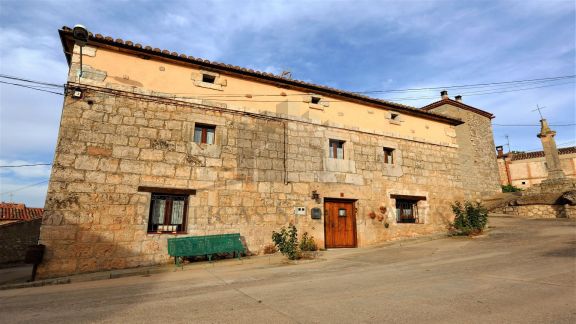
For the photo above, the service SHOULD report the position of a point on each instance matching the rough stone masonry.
(121, 140)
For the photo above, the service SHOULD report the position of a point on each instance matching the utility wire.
(22, 188)
(516, 83)
(30, 87)
(30, 81)
(518, 125)
(23, 165)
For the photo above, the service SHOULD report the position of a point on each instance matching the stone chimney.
(553, 166)
(444, 94)
(500, 151)
(458, 98)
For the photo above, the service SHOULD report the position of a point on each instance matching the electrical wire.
(25, 187)
(30, 81)
(24, 165)
(33, 88)
(519, 125)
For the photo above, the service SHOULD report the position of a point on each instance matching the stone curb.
(260, 259)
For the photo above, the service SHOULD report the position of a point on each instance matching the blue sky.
(352, 45)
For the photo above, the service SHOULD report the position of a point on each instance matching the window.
(395, 117)
(167, 213)
(336, 149)
(388, 155)
(315, 100)
(204, 134)
(207, 78)
(406, 211)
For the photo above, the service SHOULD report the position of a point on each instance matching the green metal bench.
(204, 245)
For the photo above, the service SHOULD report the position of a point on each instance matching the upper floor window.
(204, 134)
(168, 213)
(336, 149)
(207, 78)
(395, 116)
(315, 100)
(388, 155)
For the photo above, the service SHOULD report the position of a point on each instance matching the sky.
(352, 45)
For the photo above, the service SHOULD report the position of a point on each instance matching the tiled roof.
(19, 212)
(458, 104)
(66, 36)
(537, 154)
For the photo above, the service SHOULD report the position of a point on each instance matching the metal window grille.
(407, 211)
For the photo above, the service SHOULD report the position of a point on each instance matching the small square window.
(406, 211)
(388, 155)
(207, 78)
(315, 100)
(204, 134)
(336, 149)
(168, 213)
(395, 117)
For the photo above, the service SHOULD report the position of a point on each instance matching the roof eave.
(66, 39)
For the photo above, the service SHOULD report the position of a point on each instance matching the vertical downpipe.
(285, 153)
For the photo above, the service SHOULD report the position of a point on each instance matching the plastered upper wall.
(114, 67)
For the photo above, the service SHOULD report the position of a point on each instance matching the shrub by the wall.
(470, 218)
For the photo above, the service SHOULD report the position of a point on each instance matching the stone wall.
(15, 238)
(539, 211)
(249, 181)
(478, 167)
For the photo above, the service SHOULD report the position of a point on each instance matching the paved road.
(524, 271)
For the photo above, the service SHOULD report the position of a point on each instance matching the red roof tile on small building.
(538, 154)
(19, 212)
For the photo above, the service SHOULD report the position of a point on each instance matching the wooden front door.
(339, 224)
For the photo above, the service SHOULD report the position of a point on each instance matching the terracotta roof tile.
(19, 212)
(457, 104)
(537, 154)
(276, 78)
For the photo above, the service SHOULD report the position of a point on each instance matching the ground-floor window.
(406, 211)
(168, 213)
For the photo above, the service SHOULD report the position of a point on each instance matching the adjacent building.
(525, 169)
(19, 228)
(155, 144)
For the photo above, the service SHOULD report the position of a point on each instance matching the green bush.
(287, 241)
(470, 218)
(307, 243)
(510, 188)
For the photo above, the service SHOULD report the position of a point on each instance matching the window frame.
(204, 133)
(169, 198)
(389, 156)
(414, 217)
(333, 149)
(209, 78)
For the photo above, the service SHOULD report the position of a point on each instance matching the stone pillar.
(553, 166)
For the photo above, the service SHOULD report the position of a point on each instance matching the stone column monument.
(553, 166)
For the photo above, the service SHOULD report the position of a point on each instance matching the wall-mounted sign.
(299, 210)
(316, 213)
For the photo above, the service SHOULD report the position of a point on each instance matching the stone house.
(526, 169)
(19, 228)
(154, 144)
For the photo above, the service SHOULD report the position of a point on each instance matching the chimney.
(458, 98)
(500, 151)
(444, 94)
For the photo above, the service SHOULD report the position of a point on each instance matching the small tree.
(287, 241)
(470, 218)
